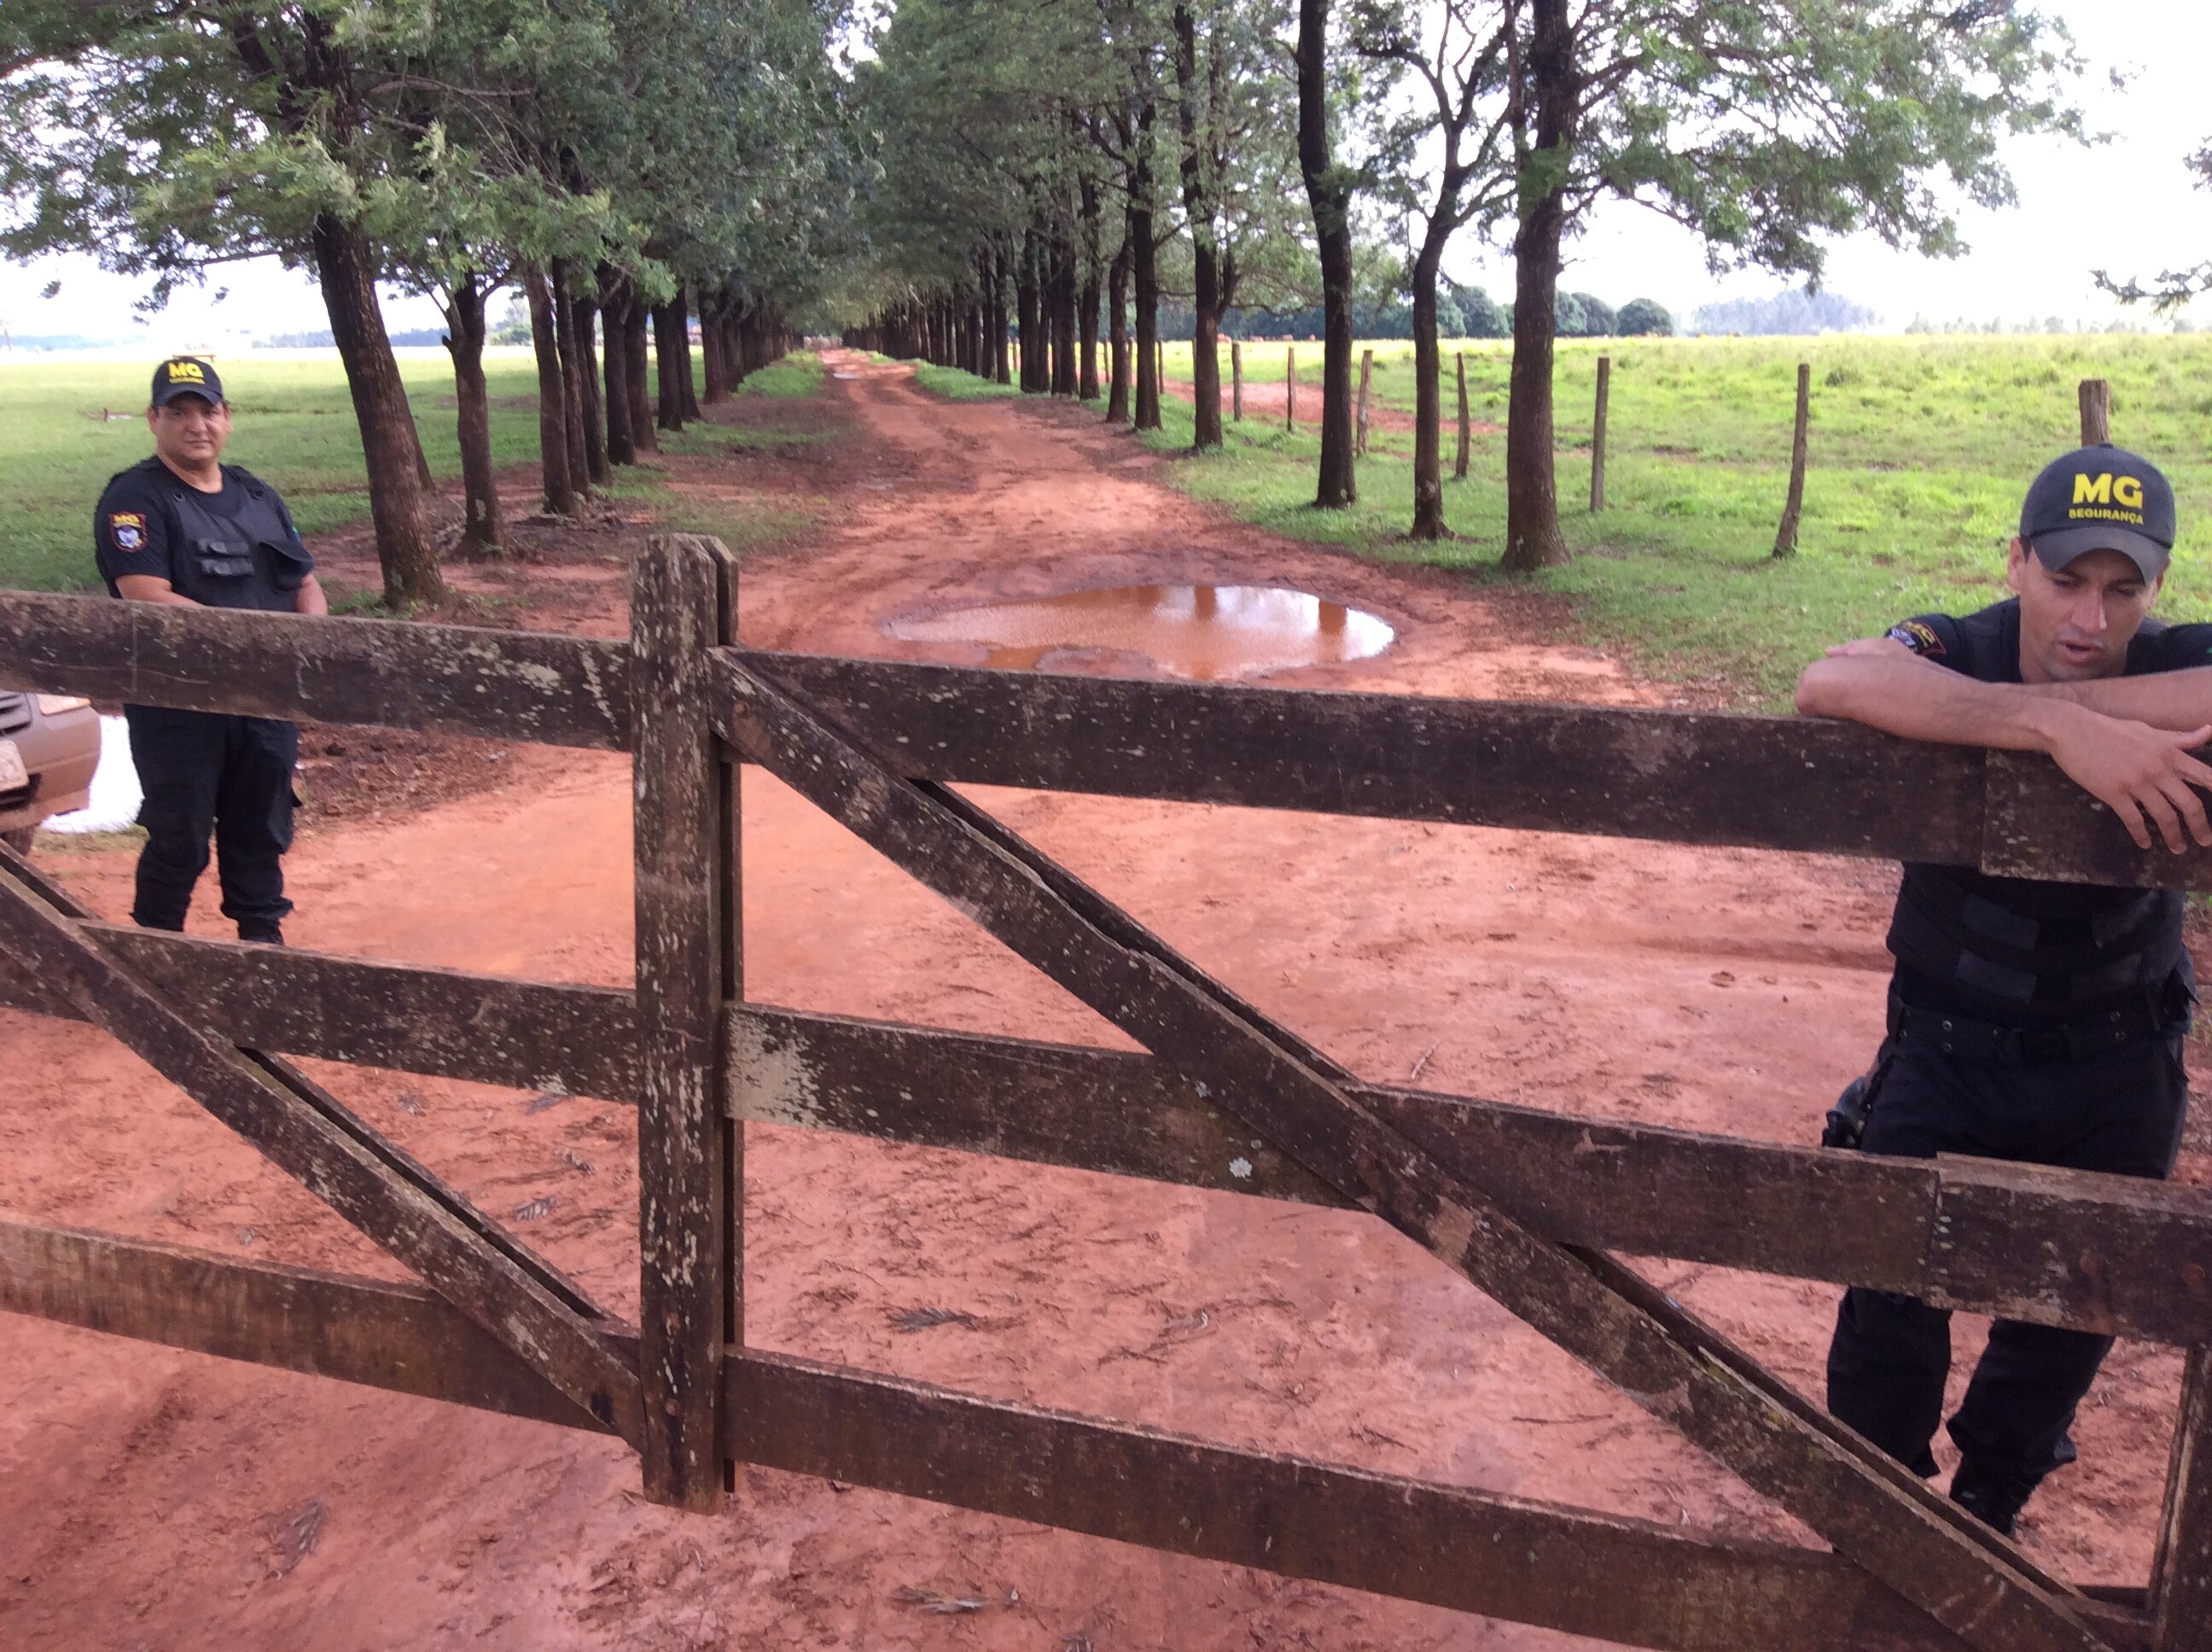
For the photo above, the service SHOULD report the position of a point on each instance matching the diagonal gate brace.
(528, 1305)
(1870, 1509)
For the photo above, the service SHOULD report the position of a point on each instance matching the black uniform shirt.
(1985, 645)
(151, 521)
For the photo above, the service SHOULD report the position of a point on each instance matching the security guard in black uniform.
(2029, 1021)
(183, 527)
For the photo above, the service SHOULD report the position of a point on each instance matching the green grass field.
(1920, 451)
(77, 422)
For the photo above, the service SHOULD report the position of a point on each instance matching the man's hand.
(2144, 775)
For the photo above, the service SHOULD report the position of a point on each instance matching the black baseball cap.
(2101, 498)
(187, 375)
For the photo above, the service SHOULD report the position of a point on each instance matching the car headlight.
(53, 705)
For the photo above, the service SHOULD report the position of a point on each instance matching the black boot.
(1994, 1499)
(267, 931)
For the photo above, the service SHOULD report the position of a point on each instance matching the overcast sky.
(2129, 205)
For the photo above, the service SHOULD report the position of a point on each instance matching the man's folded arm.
(2141, 771)
(1885, 685)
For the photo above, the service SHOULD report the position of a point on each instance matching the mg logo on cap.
(2125, 491)
(190, 372)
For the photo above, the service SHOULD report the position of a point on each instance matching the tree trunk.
(615, 299)
(994, 309)
(1086, 314)
(1533, 538)
(669, 348)
(1117, 327)
(1428, 392)
(1064, 378)
(1146, 258)
(347, 268)
(481, 527)
(571, 383)
(684, 387)
(1026, 307)
(713, 363)
(552, 398)
(638, 374)
(1330, 197)
(595, 418)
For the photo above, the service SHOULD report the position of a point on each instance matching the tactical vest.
(2035, 949)
(249, 559)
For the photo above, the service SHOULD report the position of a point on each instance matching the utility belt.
(2157, 1012)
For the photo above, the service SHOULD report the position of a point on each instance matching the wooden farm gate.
(1528, 1206)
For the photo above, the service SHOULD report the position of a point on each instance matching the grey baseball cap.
(2101, 498)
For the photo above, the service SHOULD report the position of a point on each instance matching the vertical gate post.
(683, 603)
(2181, 1581)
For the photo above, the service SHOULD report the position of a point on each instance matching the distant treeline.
(323, 341)
(1788, 311)
(1461, 313)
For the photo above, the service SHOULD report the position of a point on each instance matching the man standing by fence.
(184, 528)
(2030, 1021)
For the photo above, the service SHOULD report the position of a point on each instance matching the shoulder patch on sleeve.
(127, 529)
(1918, 635)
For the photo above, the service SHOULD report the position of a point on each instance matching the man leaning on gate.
(184, 528)
(2031, 1021)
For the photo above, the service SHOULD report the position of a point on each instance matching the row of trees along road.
(631, 162)
(1250, 152)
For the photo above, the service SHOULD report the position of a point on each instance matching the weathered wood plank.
(310, 1135)
(1685, 777)
(685, 958)
(2181, 1579)
(1619, 1579)
(1793, 783)
(493, 1029)
(2011, 1236)
(1976, 1585)
(1454, 1547)
(405, 1337)
(1845, 1217)
(450, 679)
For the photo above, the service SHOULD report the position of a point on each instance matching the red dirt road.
(155, 1497)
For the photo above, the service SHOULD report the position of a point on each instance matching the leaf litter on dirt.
(930, 1601)
(294, 1536)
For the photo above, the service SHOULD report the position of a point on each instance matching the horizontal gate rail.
(1618, 1578)
(448, 679)
(2116, 1254)
(1792, 783)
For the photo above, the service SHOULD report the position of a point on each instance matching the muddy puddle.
(1207, 632)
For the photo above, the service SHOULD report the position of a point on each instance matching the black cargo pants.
(2122, 1112)
(205, 772)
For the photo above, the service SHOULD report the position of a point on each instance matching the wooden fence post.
(1597, 435)
(1785, 538)
(2096, 397)
(2181, 1577)
(1237, 380)
(1160, 364)
(682, 602)
(1291, 387)
(1366, 371)
(1465, 424)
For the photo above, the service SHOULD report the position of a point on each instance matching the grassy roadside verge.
(1921, 449)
